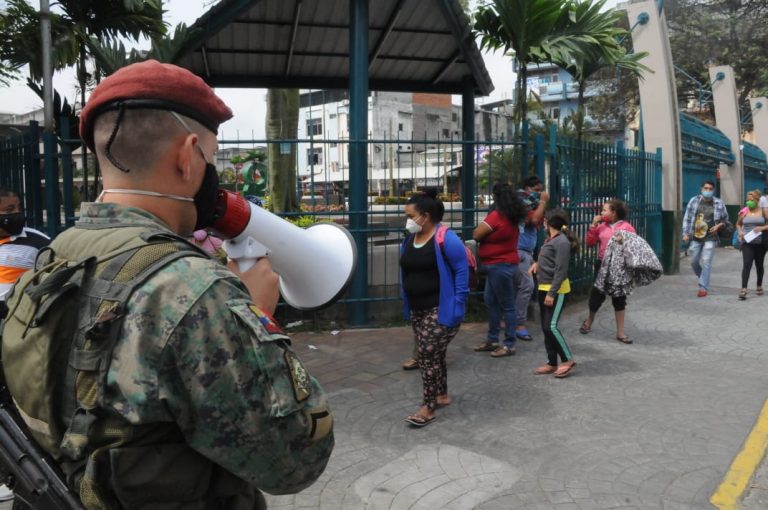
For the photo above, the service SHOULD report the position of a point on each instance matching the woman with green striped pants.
(552, 272)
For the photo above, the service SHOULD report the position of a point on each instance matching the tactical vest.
(63, 324)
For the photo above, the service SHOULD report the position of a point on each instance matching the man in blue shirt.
(536, 200)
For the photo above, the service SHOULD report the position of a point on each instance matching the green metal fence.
(581, 176)
(585, 175)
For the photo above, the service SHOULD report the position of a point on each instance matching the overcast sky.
(247, 104)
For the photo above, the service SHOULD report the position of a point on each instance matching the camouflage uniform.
(194, 351)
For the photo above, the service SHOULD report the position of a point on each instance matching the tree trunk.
(521, 101)
(580, 112)
(282, 124)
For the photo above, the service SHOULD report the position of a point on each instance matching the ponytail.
(558, 218)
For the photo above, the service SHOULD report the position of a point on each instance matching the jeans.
(701, 254)
(500, 295)
(524, 286)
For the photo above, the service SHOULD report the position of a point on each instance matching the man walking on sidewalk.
(704, 216)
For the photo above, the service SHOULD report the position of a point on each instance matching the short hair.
(531, 181)
(619, 207)
(7, 192)
(426, 202)
(142, 137)
(710, 182)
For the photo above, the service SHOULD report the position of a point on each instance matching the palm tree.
(534, 31)
(282, 123)
(604, 25)
(71, 30)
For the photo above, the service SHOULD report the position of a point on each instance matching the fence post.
(655, 191)
(524, 152)
(32, 177)
(468, 161)
(554, 184)
(66, 171)
(540, 155)
(621, 190)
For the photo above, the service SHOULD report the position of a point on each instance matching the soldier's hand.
(262, 283)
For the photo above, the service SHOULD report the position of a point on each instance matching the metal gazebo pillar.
(468, 160)
(358, 154)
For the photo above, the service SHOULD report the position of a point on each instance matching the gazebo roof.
(415, 45)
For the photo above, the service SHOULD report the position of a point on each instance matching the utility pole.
(45, 29)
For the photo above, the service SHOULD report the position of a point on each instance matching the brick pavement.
(653, 425)
(649, 425)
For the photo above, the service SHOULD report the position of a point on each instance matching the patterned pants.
(432, 340)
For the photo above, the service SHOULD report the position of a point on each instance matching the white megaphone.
(315, 264)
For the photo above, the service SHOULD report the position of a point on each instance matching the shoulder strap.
(440, 236)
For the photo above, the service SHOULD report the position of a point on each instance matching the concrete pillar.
(661, 121)
(759, 108)
(728, 120)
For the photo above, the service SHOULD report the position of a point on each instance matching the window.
(314, 157)
(555, 78)
(454, 117)
(314, 127)
(332, 116)
(400, 126)
(446, 133)
(554, 113)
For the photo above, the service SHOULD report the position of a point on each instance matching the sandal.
(584, 329)
(759, 291)
(410, 364)
(523, 334)
(545, 369)
(624, 339)
(564, 370)
(418, 420)
(487, 346)
(742, 294)
(503, 351)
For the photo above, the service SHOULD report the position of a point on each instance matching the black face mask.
(13, 223)
(206, 197)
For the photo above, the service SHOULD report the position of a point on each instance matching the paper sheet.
(751, 236)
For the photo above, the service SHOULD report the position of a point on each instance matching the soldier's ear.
(185, 156)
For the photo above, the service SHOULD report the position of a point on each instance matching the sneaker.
(6, 494)
(702, 293)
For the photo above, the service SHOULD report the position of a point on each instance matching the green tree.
(609, 54)
(535, 31)
(721, 32)
(282, 124)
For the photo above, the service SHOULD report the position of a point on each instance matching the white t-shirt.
(763, 201)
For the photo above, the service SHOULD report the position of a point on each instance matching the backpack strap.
(90, 428)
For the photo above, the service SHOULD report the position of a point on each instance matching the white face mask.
(412, 227)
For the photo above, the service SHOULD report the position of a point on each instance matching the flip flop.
(624, 339)
(487, 346)
(584, 329)
(564, 370)
(410, 364)
(523, 334)
(502, 351)
(418, 420)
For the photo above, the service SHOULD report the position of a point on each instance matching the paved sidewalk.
(651, 425)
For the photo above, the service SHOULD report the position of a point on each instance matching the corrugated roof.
(414, 45)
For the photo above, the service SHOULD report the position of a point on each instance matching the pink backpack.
(473, 280)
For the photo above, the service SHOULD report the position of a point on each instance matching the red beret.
(155, 86)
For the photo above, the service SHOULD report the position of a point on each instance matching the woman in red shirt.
(497, 235)
(601, 231)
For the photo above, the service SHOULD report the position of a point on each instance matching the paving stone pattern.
(653, 425)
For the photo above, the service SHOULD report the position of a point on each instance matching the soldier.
(199, 402)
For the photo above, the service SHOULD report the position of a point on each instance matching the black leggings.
(553, 338)
(597, 298)
(752, 253)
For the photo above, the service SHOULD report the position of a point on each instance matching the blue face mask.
(707, 194)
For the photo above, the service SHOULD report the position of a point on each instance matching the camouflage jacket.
(195, 351)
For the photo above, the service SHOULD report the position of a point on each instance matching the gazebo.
(394, 45)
